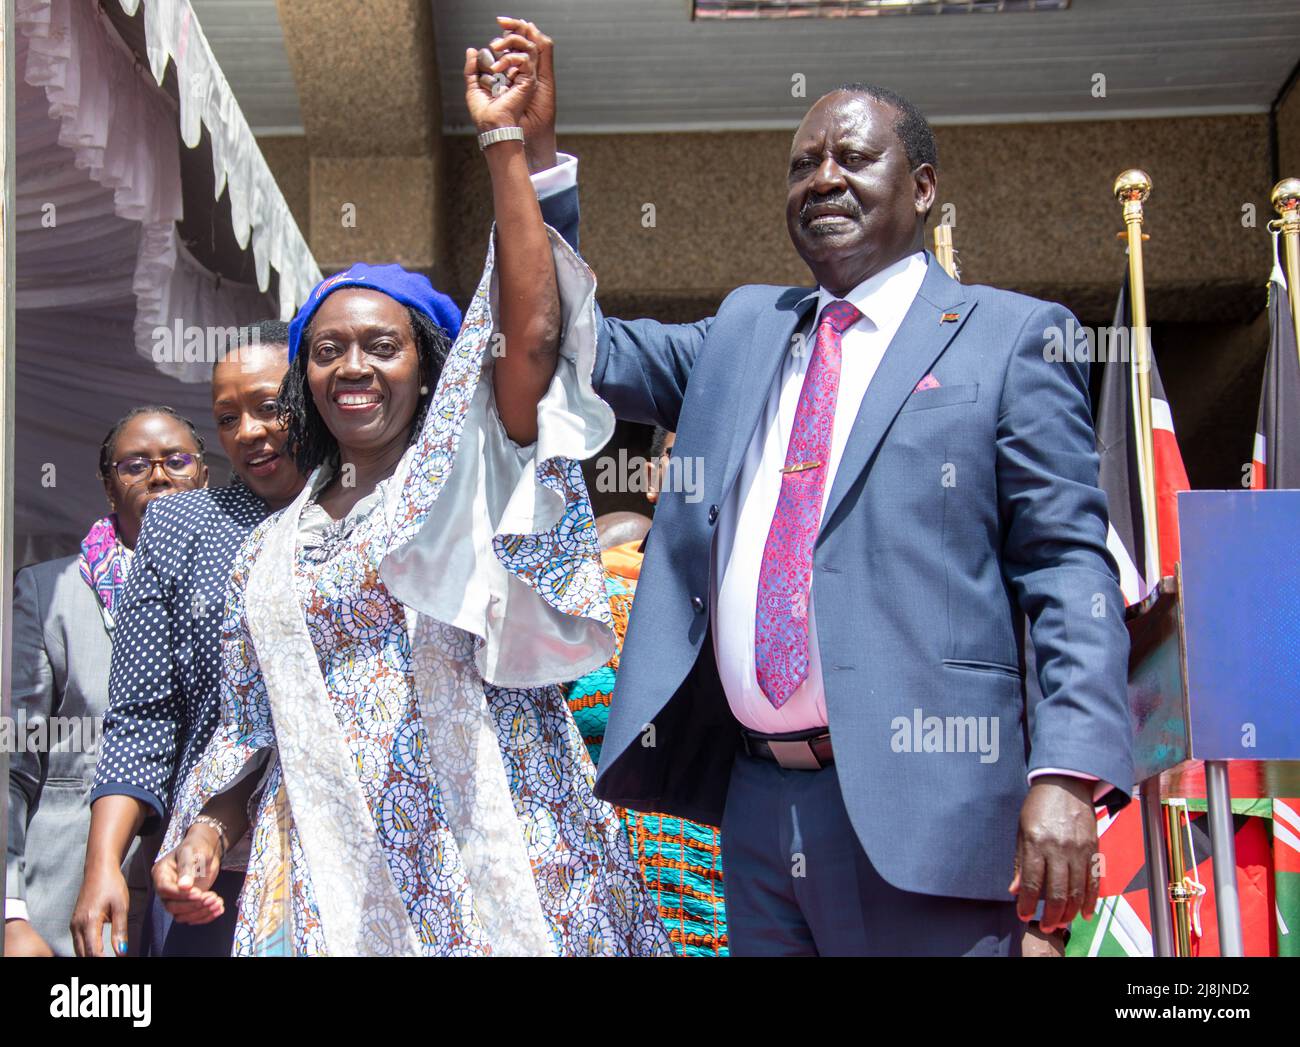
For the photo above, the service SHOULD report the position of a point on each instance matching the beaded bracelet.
(223, 836)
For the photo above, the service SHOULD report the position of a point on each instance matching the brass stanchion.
(1286, 202)
(1179, 896)
(944, 251)
(1131, 189)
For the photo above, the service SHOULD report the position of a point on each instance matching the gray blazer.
(61, 654)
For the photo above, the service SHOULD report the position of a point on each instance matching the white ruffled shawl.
(475, 572)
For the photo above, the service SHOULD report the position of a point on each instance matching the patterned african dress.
(391, 679)
(681, 860)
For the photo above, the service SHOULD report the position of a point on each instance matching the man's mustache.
(843, 202)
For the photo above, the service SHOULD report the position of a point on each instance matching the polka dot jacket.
(164, 687)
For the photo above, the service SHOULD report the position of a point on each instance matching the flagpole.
(944, 250)
(1132, 187)
(1286, 202)
(1162, 930)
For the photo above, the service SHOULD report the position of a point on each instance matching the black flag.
(1276, 460)
(1120, 471)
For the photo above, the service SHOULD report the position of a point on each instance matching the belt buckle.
(795, 756)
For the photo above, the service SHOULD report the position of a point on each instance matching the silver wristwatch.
(500, 134)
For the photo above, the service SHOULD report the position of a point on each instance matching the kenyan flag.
(1122, 924)
(1267, 833)
(1286, 872)
(1121, 470)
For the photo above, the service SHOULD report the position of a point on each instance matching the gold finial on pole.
(1131, 189)
(1286, 202)
(944, 250)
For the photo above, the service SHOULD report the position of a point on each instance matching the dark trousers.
(799, 883)
(166, 937)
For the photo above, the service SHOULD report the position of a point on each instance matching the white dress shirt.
(745, 517)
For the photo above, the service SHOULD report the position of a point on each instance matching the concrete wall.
(1032, 204)
(289, 158)
(365, 177)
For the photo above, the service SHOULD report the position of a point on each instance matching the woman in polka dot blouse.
(163, 688)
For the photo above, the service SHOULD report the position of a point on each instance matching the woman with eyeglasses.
(64, 618)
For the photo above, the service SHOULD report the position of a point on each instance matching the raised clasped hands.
(518, 59)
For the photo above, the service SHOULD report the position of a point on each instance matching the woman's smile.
(263, 463)
(358, 401)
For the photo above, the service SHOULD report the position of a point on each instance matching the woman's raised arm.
(529, 300)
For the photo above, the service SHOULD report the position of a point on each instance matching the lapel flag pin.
(949, 318)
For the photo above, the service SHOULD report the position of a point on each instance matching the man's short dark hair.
(912, 128)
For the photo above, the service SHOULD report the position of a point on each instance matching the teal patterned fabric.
(681, 860)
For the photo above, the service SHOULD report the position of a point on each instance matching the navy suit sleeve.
(145, 706)
(1055, 560)
(560, 212)
(642, 366)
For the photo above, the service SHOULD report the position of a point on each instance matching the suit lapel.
(918, 343)
(768, 346)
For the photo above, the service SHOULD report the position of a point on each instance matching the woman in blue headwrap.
(395, 766)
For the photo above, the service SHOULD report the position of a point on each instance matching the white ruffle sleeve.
(503, 545)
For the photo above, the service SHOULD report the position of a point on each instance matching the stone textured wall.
(289, 158)
(1288, 134)
(1033, 212)
(370, 159)
(365, 74)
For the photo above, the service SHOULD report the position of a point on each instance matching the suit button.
(713, 514)
(698, 604)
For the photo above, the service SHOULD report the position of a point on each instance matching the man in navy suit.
(825, 655)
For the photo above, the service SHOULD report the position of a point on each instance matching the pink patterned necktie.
(785, 578)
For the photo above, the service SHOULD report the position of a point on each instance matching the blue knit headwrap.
(412, 289)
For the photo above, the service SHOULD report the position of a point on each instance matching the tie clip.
(800, 467)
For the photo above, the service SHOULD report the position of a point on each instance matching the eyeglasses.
(179, 466)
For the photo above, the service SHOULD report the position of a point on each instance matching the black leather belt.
(797, 751)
